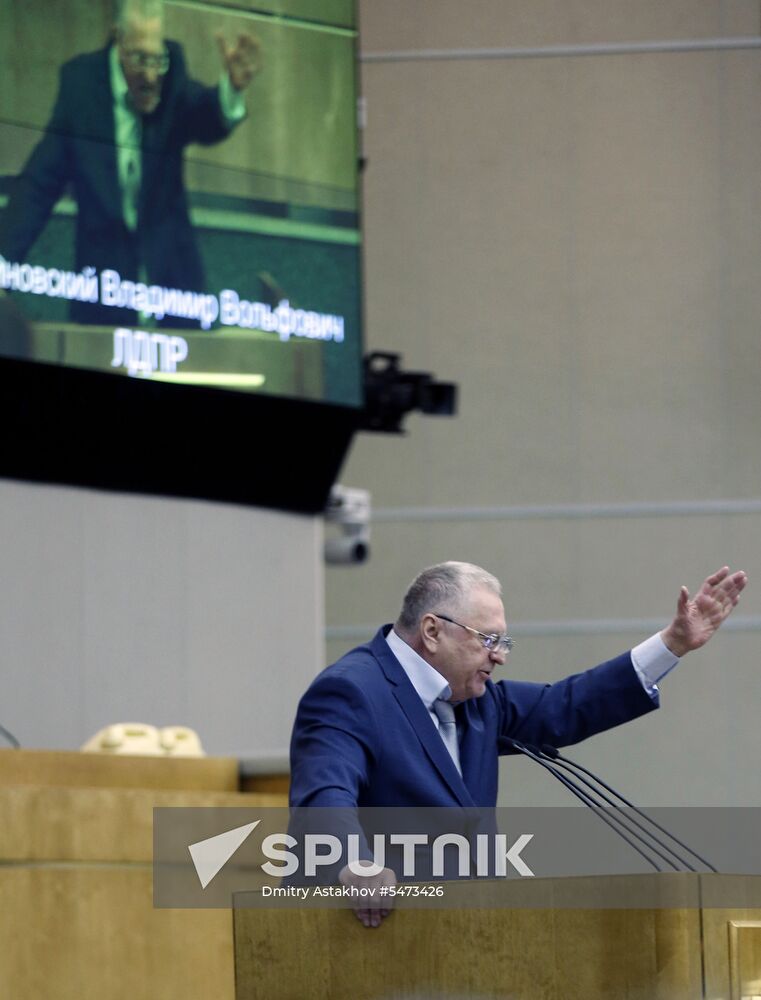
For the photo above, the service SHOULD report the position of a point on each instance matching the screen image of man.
(414, 719)
(116, 138)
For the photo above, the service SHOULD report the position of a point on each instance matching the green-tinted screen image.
(178, 191)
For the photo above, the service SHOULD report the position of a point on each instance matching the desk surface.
(71, 768)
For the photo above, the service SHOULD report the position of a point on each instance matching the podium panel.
(555, 952)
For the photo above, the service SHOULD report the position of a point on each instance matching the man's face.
(459, 655)
(141, 50)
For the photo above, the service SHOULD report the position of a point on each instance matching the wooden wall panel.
(507, 954)
(79, 933)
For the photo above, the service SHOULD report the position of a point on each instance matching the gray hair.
(445, 588)
(145, 10)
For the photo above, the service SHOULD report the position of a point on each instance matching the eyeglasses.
(495, 641)
(138, 61)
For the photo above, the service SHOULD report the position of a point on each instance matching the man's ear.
(430, 629)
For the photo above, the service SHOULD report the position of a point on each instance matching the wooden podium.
(76, 893)
(560, 941)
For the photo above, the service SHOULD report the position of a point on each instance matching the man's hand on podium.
(370, 909)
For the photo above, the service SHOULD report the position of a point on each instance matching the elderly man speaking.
(414, 718)
(122, 119)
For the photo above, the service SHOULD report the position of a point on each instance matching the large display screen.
(179, 213)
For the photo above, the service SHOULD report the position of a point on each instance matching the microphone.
(10, 738)
(644, 832)
(554, 754)
(593, 805)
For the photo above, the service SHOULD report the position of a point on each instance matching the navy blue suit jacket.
(364, 738)
(77, 152)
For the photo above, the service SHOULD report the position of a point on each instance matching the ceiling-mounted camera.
(347, 518)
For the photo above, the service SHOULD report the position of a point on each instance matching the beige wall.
(118, 608)
(576, 242)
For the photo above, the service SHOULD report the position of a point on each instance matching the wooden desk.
(76, 890)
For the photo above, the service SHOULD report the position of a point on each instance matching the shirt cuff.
(231, 101)
(652, 660)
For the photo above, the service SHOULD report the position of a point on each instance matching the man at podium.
(122, 119)
(413, 718)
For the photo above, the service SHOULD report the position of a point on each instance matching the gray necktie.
(448, 728)
(132, 168)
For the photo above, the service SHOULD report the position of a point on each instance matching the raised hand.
(242, 59)
(699, 617)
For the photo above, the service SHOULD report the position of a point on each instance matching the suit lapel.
(100, 102)
(420, 720)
